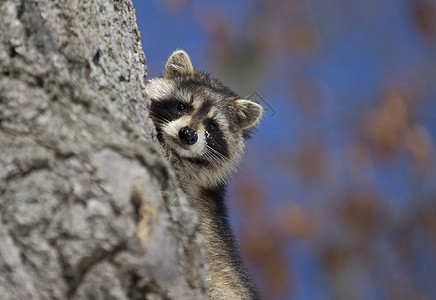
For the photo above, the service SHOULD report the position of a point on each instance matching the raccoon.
(201, 126)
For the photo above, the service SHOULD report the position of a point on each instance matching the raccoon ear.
(178, 64)
(248, 113)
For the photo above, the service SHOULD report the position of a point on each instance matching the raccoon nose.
(188, 135)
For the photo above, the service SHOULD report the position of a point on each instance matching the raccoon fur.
(201, 125)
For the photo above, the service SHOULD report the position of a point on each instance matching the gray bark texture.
(89, 209)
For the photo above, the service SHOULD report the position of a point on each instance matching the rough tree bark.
(88, 207)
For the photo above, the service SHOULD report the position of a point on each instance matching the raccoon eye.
(180, 106)
(212, 126)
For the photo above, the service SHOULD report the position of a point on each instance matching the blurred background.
(337, 196)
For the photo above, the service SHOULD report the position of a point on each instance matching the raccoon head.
(201, 124)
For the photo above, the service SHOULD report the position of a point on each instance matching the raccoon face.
(201, 124)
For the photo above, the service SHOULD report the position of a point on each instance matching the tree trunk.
(88, 207)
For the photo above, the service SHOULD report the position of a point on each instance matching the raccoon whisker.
(159, 117)
(160, 124)
(213, 159)
(215, 152)
(214, 155)
(217, 158)
(210, 152)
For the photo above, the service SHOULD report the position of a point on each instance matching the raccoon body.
(201, 126)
